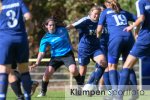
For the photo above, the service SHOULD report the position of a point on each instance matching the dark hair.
(58, 23)
(46, 21)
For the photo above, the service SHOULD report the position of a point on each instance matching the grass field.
(60, 95)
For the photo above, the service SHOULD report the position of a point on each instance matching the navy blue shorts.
(118, 46)
(84, 56)
(141, 47)
(13, 48)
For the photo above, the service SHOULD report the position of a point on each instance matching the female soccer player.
(142, 45)
(61, 53)
(89, 45)
(14, 44)
(103, 45)
(120, 42)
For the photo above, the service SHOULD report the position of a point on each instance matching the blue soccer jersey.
(13, 41)
(116, 22)
(89, 44)
(142, 46)
(87, 33)
(58, 41)
(11, 17)
(120, 42)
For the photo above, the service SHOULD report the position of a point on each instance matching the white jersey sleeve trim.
(80, 21)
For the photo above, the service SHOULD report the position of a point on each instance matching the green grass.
(60, 95)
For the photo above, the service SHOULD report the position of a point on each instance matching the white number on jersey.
(120, 20)
(12, 20)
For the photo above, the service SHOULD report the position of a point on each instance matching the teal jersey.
(58, 41)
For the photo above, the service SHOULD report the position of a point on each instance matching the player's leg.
(139, 49)
(22, 57)
(106, 79)
(113, 57)
(125, 73)
(69, 61)
(4, 71)
(5, 65)
(54, 64)
(25, 75)
(101, 64)
(15, 83)
(47, 74)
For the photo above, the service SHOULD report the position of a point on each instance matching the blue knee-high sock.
(91, 79)
(3, 85)
(106, 80)
(133, 80)
(98, 74)
(124, 79)
(26, 82)
(113, 77)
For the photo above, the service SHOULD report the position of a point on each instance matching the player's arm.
(78, 24)
(137, 23)
(27, 16)
(136, 31)
(69, 26)
(42, 49)
(140, 13)
(99, 30)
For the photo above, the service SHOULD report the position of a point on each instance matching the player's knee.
(5, 68)
(112, 66)
(73, 69)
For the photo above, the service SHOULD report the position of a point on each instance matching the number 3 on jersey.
(120, 20)
(12, 20)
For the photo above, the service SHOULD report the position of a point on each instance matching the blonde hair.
(96, 7)
(115, 5)
(0, 6)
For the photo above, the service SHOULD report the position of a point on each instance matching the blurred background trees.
(67, 11)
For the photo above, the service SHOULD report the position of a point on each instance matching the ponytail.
(114, 5)
(0, 6)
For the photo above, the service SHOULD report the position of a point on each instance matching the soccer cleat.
(41, 94)
(34, 86)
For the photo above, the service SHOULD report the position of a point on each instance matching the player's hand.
(129, 28)
(33, 66)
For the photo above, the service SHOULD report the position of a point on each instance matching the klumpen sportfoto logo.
(104, 92)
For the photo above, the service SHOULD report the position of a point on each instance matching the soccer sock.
(3, 85)
(113, 77)
(124, 78)
(16, 87)
(98, 74)
(133, 80)
(82, 79)
(26, 82)
(78, 79)
(91, 78)
(106, 80)
(44, 86)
